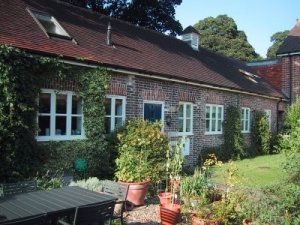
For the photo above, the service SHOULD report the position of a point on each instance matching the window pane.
(213, 125)
(76, 125)
(207, 125)
(246, 126)
(107, 106)
(61, 104)
(118, 107)
(118, 122)
(188, 111)
(219, 125)
(44, 126)
(60, 125)
(180, 125)
(107, 125)
(207, 112)
(214, 112)
(219, 112)
(44, 102)
(76, 105)
(180, 111)
(188, 125)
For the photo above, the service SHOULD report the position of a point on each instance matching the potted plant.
(170, 211)
(141, 157)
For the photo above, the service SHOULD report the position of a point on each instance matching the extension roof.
(133, 48)
(292, 43)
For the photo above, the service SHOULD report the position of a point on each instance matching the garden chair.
(10, 189)
(92, 214)
(120, 191)
(34, 220)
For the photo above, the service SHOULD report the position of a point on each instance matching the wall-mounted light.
(168, 120)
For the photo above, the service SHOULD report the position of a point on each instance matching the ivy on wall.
(21, 78)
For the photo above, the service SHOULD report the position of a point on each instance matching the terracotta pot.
(164, 197)
(169, 214)
(199, 221)
(137, 192)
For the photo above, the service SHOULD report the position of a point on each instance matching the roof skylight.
(50, 25)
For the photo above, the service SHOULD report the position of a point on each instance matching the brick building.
(154, 76)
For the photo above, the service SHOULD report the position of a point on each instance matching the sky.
(259, 19)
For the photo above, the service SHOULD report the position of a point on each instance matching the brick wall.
(140, 89)
(272, 73)
(291, 66)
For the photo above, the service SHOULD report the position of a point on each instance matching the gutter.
(288, 54)
(92, 65)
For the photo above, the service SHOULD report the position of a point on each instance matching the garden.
(232, 184)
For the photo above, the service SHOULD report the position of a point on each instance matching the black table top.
(55, 202)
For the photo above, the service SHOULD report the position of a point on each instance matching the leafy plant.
(141, 152)
(48, 181)
(261, 135)
(292, 116)
(233, 140)
(92, 183)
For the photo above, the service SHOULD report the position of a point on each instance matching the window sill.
(60, 138)
(245, 132)
(212, 133)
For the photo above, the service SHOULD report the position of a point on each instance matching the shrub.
(292, 116)
(48, 181)
(233, 140)
(92, 183)
(141, 152)
(260, 133)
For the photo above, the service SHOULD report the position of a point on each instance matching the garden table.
(53, 203)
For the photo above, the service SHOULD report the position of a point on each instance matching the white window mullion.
(112, 115)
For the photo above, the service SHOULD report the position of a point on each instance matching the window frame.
(268, 113)
(245, 120)
(184, 118)
(37, 17)
(112, 116)
(210, 119)
(53, 114)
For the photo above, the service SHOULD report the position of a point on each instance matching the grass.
(256, 172)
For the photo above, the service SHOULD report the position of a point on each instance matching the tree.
(277, 39)
(157, 15)
(221, 35)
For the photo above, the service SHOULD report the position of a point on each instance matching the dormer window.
(50, 25)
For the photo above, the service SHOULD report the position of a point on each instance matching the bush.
(233, 140)
(292, 116)
(92, 183)
(260, 135)
(142, 152)
(48, 181)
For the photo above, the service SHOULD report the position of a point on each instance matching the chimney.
(108, 36)
(191, 36)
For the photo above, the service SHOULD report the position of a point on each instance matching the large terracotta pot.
(137, 192)
(164, 197)
(169, 214)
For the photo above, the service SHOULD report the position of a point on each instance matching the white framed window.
(245, 120)
(154, 111)
(185, 118)
(60, 116)
(268, 113)
(114, 112)
(214, 116)
(49, 24)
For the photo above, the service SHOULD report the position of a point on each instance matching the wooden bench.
(120, 191)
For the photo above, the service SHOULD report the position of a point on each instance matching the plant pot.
(200, 221)
(169, 214)
(137, 192)
(164, 197)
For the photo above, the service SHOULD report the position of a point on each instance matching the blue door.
(152, 112)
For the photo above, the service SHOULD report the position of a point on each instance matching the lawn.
(256, 172)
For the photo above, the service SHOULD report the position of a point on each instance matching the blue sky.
(260, 19)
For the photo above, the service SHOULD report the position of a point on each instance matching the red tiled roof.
(133, 48)
(292, 43)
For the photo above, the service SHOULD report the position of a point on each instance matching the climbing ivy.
(21, 78)
(233, 139)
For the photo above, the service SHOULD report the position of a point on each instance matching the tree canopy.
(221, 35)
(157, 15)
(277, 39)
